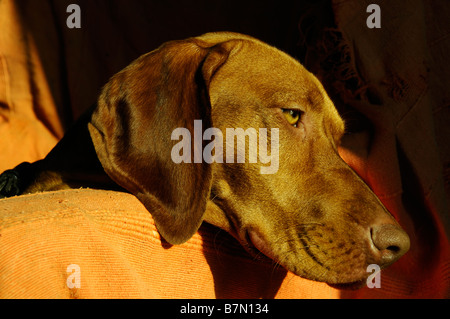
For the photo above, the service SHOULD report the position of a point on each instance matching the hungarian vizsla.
(312, 213)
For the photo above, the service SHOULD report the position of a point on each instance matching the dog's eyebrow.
(294, 101)
(314, 98)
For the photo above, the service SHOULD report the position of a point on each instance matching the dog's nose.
(390, 243)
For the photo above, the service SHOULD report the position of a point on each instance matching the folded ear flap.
(132, 126)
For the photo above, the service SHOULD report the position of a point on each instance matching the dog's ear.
(131, 129)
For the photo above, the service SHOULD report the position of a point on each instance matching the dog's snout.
(390, 242)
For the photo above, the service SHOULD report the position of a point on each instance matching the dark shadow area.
(236, 272)
(78, 62)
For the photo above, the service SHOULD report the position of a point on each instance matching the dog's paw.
(9, 183)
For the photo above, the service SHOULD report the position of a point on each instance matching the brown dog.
(314, 215)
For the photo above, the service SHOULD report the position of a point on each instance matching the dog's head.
(292, 198)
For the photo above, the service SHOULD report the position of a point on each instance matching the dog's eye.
(292, 116)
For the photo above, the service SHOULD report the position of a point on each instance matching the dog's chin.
(257, 248)
(256, 244)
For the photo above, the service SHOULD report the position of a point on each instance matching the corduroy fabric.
(120, 254)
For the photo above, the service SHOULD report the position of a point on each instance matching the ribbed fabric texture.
(114, 242)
